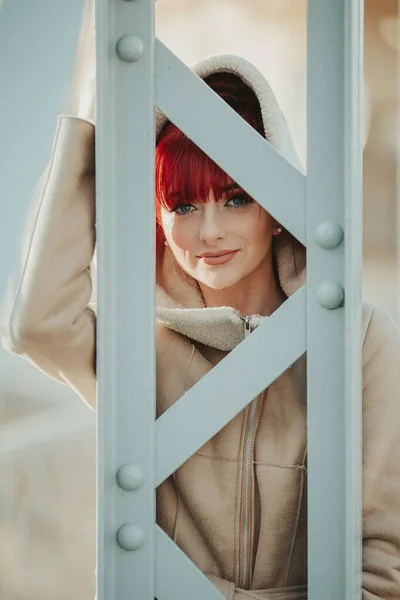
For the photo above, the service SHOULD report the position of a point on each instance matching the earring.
(165, 243)
(278, 229)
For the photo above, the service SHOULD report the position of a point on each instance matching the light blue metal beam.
(233, 144)
(178, 576)
(334, 72)
(251, 367)
(126, 281)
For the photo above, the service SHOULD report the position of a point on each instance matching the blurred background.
(47, 435)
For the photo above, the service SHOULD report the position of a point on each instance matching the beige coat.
(48, 321)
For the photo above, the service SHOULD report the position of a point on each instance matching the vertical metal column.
(334, 269)
(126, 363)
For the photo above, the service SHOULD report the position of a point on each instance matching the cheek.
(255, 228)
(265, 228)
(179, 232)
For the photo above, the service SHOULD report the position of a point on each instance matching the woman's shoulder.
(381, 343)
(171, 346)
(378, 326)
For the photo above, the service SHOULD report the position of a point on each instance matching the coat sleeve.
(381, 459)
(46, 316)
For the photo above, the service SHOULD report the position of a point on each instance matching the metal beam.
(251, 367)
(178, 576)
(125, 141)
(233, 144)
(334, 72)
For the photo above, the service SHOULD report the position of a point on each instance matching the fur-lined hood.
(180, 304)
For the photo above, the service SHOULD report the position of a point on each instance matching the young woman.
(238, 506)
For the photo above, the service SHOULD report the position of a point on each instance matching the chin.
(219, 282)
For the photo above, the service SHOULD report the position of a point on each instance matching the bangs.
(184, 173)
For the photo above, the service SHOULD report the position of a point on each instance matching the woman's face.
(221, 241)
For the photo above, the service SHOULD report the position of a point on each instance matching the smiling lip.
(219, 258)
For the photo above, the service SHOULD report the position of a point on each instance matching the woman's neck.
(258, 293)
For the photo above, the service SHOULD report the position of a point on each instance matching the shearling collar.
(180, 306)
(179, 302)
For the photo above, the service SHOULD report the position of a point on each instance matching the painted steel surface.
(334, 70)
(125, 234)
(135, 74)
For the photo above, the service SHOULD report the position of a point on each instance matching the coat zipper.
(248, 459)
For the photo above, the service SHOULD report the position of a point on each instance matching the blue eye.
(238, 200)
(184, 209)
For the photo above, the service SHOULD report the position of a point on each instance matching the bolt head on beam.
(130, 48)
(329, 235)
(130, 537)
(129, 477)
(330, 295)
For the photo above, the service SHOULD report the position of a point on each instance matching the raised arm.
(46, 317)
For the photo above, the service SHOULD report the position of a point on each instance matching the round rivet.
(330, 295)
(329, 235)
(130, 48)
(130, 537)
(129, 477)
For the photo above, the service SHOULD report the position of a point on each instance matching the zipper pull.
(247, 329)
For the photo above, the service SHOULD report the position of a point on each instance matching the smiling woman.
(218, 235)
(238, 506)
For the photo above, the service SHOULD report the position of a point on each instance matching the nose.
(211, 226)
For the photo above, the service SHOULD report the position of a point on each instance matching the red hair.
(184, 173)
